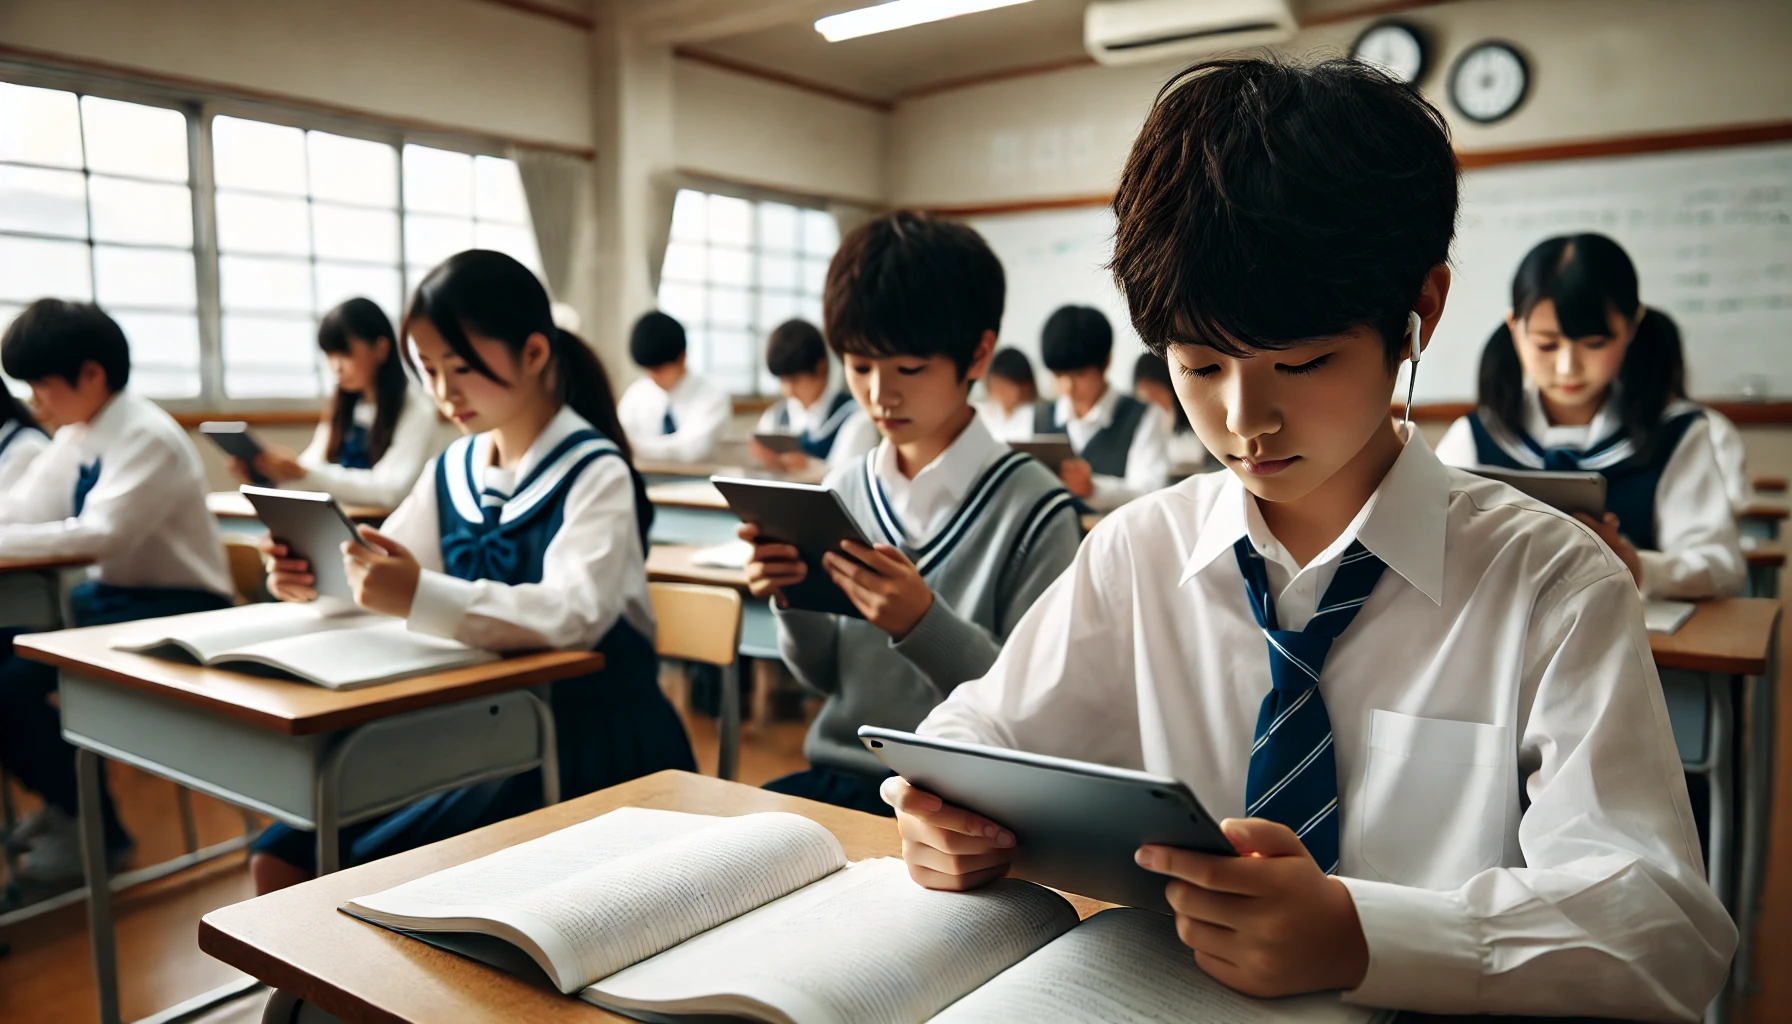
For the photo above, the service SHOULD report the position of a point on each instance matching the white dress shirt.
(19, 447)
(145, 523)
(1732, 458)
(856, 435)
(1504, 646)
(1007, 426)
(595, 571)
(1700, 552)
(386, 483)
(699, 412)
(1147, 459)
(924, 504)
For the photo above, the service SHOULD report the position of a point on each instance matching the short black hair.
(55, 338)
(1076, 338)
(796, 347)
(1153, 368)
(656, 340)
(1267, 203)
(912, 284)
(1012, 364)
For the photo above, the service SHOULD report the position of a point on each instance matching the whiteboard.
(1710, 231)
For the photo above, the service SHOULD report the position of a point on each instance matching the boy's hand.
(289, 579)
(888, 590)
(946, 847)
(239, 469)
(1268, 922)
(382, 575)
(773, 567)
(279, 465)
(763, 455)
(1078, 478)
(795, 462)
(1607, 529)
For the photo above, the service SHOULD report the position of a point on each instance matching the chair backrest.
(696, 623)
(247, 573)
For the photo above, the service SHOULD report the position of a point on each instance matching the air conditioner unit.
(1136, 31)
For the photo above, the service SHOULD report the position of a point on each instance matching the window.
(96, 205)
(735, 269)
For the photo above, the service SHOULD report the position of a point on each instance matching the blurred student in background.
(1012, 390)
(1151, 385)
(670, 414)
(832, 427)
(1120, 442)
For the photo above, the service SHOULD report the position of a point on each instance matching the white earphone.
(1413, 328)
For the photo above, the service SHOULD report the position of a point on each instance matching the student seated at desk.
(122, 484)
(528, 533)
(1578, 378)
(1008, 411)
(375, 434)
(1423, 703)
(671, 414)
(1151, 385)
(1726, 440)
(21, 439)
(967, 531)
(833, 428)
(1120, 441)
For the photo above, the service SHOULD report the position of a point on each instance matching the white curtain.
(850, 215)
(555, 185)
(662, 194)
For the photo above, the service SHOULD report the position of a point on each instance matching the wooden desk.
(1770, 484)
(689, 494)
(1731, 636)
(1765, 560)
(1762, 518)
(32, 591)
(673, 563)
(690, 512)
(232, 505)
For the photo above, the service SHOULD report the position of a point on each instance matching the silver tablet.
(1051, 449)
(313, 527)
(783, 444)
(1568, 492)
(1076, 825)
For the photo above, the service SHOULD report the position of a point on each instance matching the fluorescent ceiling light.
(900, 14)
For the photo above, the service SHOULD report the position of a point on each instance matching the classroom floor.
(46, 979)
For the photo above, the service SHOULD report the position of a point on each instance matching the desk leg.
(99, 888)
(728, 756)
(549, 740)
(326, 814)
(1761, 723)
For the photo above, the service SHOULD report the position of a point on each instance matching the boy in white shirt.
(1474, 803)
(671, 414)
(1121, 443)
(121, 484)
(833, 428)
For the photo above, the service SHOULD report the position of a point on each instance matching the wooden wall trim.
(1631, 145)
(191, 418)
(549, 11)
(1369, 10)
(966, 82)
(741, 67)
(1743, 413)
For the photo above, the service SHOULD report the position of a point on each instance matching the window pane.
(778, 227)
(688, 219)
(815, 276)
(352, 233)
(267, 224)
(338, 282)
(777, 307)
(500, 191)
(130, 138)
(139, 212)
(353, 170)
(811, 309)
(268, 357)
(258, 156)
(158, 278)
(682, 302)
(31, 269)
(728, 307)
(39, 126)
(438, 181)
(730, 221)
(512, 240)
(821, 234)
(260, 283)
(44, 202)
(164, 352)
(684, 262)
(731, 267)
(778, 272)
(430, 240)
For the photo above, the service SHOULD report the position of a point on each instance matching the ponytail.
(13, 409)
(582, 383)
(1500, 386)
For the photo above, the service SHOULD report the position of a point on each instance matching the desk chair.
(247, 574)
(702, 624)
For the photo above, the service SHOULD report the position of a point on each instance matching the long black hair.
(363, 319)
(1588, 277)
(13, 409)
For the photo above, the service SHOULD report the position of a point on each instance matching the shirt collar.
(1099, 416)
(564, 424)
(818, 410)
(110, 422)
(950, 475)
(1606, 422)
(1403, 522)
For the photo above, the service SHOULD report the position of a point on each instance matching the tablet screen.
(808, 516)
(312, 527)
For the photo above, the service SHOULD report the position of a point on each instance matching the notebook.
(1666, 617)
(661, 915)
(341, 651)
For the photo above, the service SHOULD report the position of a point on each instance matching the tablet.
(807, 515)
(1568, 492)
(783, 444)
(233, 436)
(313, 527)
(1076, 825)
(1051, 449)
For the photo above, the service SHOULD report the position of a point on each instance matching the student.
(671, 414)
(375, 434)
(1726, 440)
(1151, 385)
(1576, 378)
(833, 428)
(527, 533)
(967, 532)
(1474, 803)
(1008, 411)
(1121, 442)
(121, 484)
(21, 439)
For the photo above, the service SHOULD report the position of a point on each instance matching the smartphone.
(234, 438)
(807, 516)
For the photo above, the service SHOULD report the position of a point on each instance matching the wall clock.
(1394, 46)
(1489, 81)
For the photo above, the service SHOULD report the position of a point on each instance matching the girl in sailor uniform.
(530, 532)
(1580, 377)
(21, 439)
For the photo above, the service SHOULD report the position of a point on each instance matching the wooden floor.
(47, 978)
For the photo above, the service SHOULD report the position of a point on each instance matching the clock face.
(1394, 47)
(1489, 82)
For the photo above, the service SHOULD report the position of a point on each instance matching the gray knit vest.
(1106, 452)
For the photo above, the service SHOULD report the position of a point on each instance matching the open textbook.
(667, 916)
(338, 650)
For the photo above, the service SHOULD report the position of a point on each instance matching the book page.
(864, 946)
(1126, 966)
(619, 888)
(380, 652)
(213, 633)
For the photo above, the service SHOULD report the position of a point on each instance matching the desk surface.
(1733, 635)
(1765, 510)
(232, 505)
(285, 706)
(671, 563)
(690, 494)
(296, 940)
(44, 563)
(1764, 552)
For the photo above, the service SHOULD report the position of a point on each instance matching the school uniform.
(1014, 425)
(1121, 438)
(676, 426)
(1671, 502)
(19, 446)
(354, 477)
(989, 529)
(1506, 803)
(550, 555)
(1732, 458)
(834, 429)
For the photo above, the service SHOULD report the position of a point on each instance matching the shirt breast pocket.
(1434, 799)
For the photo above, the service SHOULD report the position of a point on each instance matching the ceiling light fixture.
(900, 14)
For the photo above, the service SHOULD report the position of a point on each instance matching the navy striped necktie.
(668, 425)
(1293, 778)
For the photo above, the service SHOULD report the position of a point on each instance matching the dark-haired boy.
(967, 532)
(670, 414)
(1121, 443)
(1424, 701)
(120, 483)
(832, 427)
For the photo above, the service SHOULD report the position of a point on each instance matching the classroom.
(574, 510)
